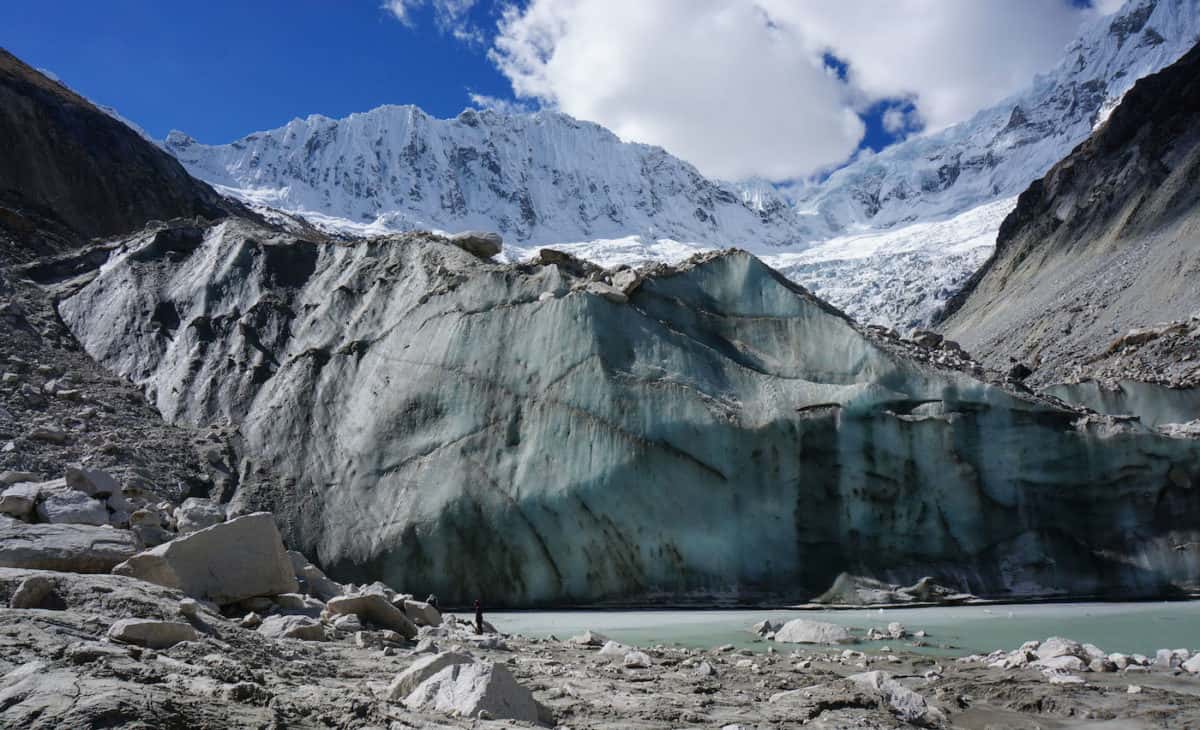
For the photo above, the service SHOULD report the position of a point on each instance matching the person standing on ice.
(478, 617)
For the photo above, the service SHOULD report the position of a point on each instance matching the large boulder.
(292, 627)
(314, 579)
(196, 514)
(92, 482)
(373, 608)
(1057, 646)
(480, 689)
(422, 614)
(906, 704)
(224, 563)
(480, 243)
(803, 631)
(421, 670)
(151, 634)
(19, 500)
(65, 548)
(72, 508)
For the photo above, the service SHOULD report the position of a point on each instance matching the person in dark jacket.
(478, 617)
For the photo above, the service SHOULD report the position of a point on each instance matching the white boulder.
(71, 508)
(804, 631)
(224, 563)
(65, 548)
(637, 660)
(373, 608)
(151, 634)
(292, 627)
(479, 690)
(1057, 646)
(422, 669)
(422, 614)
(196, 514)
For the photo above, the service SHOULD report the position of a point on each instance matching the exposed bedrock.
(526, 435)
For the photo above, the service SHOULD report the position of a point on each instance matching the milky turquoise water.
(1124, 627)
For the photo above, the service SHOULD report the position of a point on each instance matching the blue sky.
(219, 70)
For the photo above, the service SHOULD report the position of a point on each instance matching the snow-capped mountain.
(537, 178)
(888, 238)
(908, 227)
(1000, 151)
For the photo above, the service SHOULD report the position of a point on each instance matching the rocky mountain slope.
(537, 178)
(1100, 256)
(552, 433)
(71, 172)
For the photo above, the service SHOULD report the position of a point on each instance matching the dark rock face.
(70, 168)
(1107, 243)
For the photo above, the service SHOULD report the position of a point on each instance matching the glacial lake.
(1114, 627)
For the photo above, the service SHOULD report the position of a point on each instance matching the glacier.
(546, 432)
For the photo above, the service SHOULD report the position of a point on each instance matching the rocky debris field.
(92, 650)
(59, 408)
(1166, 354)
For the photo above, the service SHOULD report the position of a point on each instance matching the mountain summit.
(537, 178)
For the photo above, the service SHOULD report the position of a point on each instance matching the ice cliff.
(552, 433)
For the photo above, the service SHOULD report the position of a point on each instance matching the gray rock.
(292, 627)
(66, 548)
(348, 623)
(92, 482)
(420, 670)
(906, 704)
(1062, 663)
(224, 563)
(804, 631)
(145, 518)
(589, 638)
(32, 592)
(19, 500)
(637, 660)
(480, 689)
(480, 243)
(374, 608)
(9, 478)
(1192, 665)
(72, 508)
(196, 513)
(422, 614)
(149, 536)
(151, 634)
(1057, 646)
(48, 434)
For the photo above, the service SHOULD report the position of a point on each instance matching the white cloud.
(504, 106)
(711, 81)
(897, 121)
(738, 87)
(451, 15)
